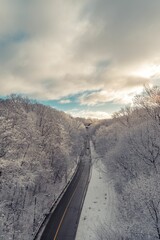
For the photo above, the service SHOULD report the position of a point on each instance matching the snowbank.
(99, 205)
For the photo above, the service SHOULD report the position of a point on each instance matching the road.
(63, 222)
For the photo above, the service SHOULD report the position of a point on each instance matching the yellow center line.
(65, 212)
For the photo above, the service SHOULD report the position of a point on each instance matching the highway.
(63, 222)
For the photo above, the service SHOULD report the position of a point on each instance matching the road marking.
(59, 226)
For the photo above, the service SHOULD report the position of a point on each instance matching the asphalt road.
(63, 222)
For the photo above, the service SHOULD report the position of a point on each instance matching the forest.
(129, 146)
(39, 149)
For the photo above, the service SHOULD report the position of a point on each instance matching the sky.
(88, 58)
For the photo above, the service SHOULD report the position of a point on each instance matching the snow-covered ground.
(100, 202)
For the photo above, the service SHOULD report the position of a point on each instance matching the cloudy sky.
(86, 57)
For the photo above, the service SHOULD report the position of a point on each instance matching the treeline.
(130, 147)
(39, 148)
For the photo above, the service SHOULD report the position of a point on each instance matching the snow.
(100, 202)
(39, 149)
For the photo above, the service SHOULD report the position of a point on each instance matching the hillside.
(130, 150)
(39, 149)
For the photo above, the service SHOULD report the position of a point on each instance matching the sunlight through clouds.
(51, 50)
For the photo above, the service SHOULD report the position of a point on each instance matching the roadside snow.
(100, 202)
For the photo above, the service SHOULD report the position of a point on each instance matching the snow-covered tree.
(130, 146)
(38, 150)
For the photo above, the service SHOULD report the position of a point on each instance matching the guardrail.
(54, 205)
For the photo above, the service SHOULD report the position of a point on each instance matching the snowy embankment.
(100, 202)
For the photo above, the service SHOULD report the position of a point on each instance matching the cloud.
(114, 93)
(125, 31)
(89, 114)
(65, 101)
(52, 49)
